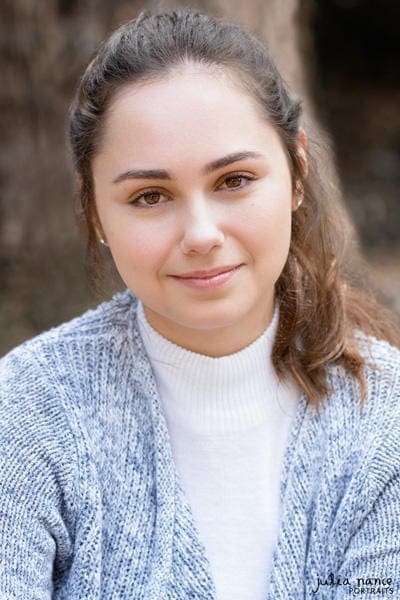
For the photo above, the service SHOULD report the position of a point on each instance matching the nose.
(202, 230)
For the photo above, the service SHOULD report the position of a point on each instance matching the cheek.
(267, 226)
(138, 246)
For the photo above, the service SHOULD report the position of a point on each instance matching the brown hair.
(321, 291)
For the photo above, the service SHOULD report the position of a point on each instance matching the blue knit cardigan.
(92, 507)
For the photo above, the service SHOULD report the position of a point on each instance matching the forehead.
(195, 112)
(190, 79)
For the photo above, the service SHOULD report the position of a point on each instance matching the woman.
(228, 426)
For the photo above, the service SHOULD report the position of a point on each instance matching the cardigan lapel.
(180, 568)
(287, 578)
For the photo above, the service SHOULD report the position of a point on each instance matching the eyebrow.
(208, 168)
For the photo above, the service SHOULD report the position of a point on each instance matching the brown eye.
(147, 199)
(234, 181)
(151, 198)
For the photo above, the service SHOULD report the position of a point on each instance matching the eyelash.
(150, 191)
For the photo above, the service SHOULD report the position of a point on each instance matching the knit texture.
(91, 505)
(228, 418)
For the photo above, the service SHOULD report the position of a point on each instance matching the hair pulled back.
(323, 303)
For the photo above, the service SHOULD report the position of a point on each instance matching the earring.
(102, 242)
(299, 200)
(299, 193)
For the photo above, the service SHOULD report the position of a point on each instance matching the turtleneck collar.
(214, 395)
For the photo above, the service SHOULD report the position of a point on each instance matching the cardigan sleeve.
(37, 472)
(372, 557)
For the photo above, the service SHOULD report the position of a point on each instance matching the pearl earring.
(102, 242)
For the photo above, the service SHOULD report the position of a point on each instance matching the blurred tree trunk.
(44, 47)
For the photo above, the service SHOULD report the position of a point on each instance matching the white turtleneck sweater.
(228, 419)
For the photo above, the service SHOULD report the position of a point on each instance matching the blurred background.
(340, 56)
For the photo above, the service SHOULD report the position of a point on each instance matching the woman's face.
(190, 177)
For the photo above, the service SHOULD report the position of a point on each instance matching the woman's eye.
(149, 199)
(234, 181)
(152, 197)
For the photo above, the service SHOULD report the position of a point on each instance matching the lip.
(212, 281)
(205, 274)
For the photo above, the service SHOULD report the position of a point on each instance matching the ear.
(302, 150)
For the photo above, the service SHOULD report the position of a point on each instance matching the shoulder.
(382, 378)
(382, 375)
(50, 382)
(365, 434)
(57, 378)
(104, 318)
(97, 327)
(54, 367)
(363, 431)
(378, 351)
(380, 416)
